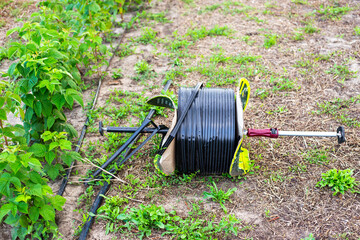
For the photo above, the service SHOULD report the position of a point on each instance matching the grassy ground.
(302, 60)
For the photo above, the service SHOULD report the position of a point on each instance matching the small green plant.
(333, 12)
(282, 84)
(317, 156)
(117, 73)
(339, 181)
(310, 29)
(262, 93)
(298, 36)
(298, 168)
(342, 72)
(342, 110)
(219, 195)
(270, 40)
(357, 30)
(310, 237)
(200, 33)
(124, 50)
(158, 17)
(302, 2)
(267, 213)
(142, 67)
(148, 36)
(247, 40)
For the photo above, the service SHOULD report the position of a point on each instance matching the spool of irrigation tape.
(210, 133)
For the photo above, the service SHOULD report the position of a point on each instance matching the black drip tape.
(206, 138)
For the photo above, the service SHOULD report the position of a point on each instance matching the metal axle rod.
(274, 133)
(103, 129)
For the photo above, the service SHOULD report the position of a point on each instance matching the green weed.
(247, 40)
(146, 218)
(124, 50)
(341, 72)
(298, 36)
(270, 40)
(298, 168)
(310, 29)
(277, 176)
(357, 30)
(340, 109)
(158, 17)
(148, 35)
(209, 8)
(282, 84)
(310, 237)
(317, 156)
(302, 2)
(333, 12)
(142, 67)
(117, 73)
(262, 93)
(339, 181)
(202, 32)
(219, 195)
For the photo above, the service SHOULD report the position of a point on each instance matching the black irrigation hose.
(84, 128)
(206, 139)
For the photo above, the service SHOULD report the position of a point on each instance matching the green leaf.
(59, 115)
(29, 114)
(58, 202)
(11, 31)
(103, 48)
(53, 145)
(65, 144)
(12, 50)
(50, 121)
(15, 181)
(47, 107)
(38, 149)
(5, 209)
(38, 108)
(58, 100)
(22, 206)
(35, 177)
(34, 214)
(67, 159)
(47, 212)
(32, 81)
(12, 69)
(36, 163)
(3, 114)
(75, 95)
(36, 37)
(52, 172)
(15, 166)
(94, 7)
(56, 54)
(36, 190)
(2, 101)
(31, 47)
(28, 99)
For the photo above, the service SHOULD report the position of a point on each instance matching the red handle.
(270, 133)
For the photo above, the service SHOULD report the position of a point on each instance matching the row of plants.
(60, 44)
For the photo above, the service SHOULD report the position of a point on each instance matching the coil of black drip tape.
(206, 139)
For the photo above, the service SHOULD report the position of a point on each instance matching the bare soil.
(276, 200)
